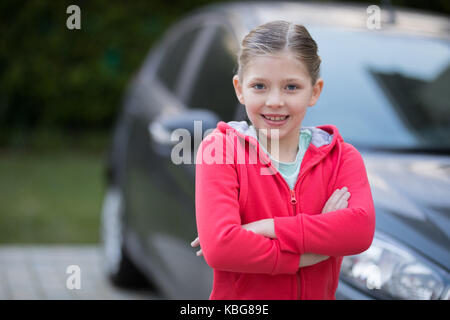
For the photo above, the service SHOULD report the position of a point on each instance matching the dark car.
(387, 89)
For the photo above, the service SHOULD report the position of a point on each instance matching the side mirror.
(192, 122)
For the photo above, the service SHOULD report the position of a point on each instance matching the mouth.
(275, 117)
(275, 120)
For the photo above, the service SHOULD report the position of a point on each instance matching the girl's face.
(277, 86)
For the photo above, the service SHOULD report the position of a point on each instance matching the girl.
(278, 227)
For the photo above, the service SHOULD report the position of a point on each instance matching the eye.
(291, 87)
(258, 86)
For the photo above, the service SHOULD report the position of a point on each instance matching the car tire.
(116, 262)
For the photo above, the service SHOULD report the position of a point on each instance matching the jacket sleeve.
(225, 244)
(342, 232)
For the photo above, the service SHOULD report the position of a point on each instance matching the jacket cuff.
(287, 230)
(287, 263)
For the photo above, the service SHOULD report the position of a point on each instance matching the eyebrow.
(285, 80)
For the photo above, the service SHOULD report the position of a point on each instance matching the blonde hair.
(272, 38)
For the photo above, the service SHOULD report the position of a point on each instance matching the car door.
(204, 87)
(160, 193)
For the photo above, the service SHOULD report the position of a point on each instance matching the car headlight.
(389, 270)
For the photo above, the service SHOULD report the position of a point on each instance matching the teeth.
(275, 118)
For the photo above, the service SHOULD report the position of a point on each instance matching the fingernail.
(344, 188)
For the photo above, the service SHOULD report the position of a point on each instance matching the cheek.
(252, 96)
(299, 101)
(254, 103)
(252, 113)
(300, 98)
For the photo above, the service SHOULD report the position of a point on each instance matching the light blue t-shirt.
(290, 170)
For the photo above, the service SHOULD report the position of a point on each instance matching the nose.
(274, 99)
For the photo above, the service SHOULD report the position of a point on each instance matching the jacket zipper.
(293, 200)
(294, 203)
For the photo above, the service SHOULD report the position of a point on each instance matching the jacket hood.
(323, 137)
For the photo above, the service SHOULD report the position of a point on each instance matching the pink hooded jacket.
(232, 189)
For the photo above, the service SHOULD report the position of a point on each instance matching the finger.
(329, 202)
(342, 201)
(332, 198)
(336, 196)
(327, 207)
(342, 204)
(195, 243)
(341, 195)
(199, 253)
(335, 193)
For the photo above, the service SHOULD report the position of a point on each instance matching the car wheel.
(117, 265)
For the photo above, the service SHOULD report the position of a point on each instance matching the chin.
(272, 134)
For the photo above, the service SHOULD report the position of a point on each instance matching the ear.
(238, 88)
(317, 90)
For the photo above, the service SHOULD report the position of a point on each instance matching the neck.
(285, 150)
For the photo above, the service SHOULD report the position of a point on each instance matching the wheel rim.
(111, 231)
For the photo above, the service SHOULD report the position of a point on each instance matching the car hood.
(412, 200)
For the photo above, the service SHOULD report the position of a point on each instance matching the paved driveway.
(44, 272)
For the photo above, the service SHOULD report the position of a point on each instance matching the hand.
(196, 243)
(337, 201)
(264, 227)
(308, 259)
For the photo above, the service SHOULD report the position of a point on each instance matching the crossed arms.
(266, 228)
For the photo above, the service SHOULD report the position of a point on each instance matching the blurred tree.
(54, 77)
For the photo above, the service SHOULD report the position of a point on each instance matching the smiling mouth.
(276, 118)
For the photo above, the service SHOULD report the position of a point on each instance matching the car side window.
(175, 55)
(212, 86)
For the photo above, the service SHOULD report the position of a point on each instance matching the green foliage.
(51, 76)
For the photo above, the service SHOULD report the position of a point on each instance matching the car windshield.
(381, 90)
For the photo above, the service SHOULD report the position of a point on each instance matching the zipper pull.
(293, 200)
